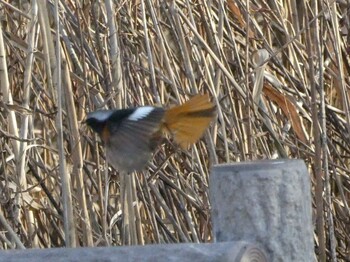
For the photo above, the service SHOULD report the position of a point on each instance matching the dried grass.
(278, 74)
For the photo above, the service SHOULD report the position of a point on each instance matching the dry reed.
(277, 70)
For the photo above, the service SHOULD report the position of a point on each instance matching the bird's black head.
(97, 120)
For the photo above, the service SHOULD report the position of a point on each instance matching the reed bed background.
(278, 72)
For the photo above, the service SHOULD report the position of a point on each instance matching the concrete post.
(264, 202)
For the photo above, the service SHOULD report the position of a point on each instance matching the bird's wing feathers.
(133, 140)
(137, 132)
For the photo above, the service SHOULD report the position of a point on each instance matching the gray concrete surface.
(213, 252)
(266, 202)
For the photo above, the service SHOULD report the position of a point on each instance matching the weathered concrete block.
(266, 202)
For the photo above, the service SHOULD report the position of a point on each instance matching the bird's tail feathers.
(187, 122)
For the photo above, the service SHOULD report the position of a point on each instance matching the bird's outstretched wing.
(132, 142)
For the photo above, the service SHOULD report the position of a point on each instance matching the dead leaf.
(288, 109)
(238, 16)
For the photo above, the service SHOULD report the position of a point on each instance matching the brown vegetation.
(277, 71)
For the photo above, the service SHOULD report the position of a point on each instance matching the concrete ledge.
(209, 252)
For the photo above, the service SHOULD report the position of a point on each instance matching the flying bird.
(131, 135)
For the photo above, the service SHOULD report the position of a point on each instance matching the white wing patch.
(140, 113)
(100, 115)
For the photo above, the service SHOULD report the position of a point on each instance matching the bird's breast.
(105, 134)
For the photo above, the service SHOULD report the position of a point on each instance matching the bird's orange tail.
(187, 122)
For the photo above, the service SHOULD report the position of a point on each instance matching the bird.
(132, 135)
